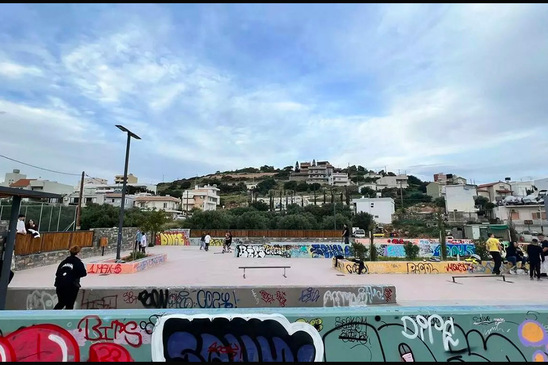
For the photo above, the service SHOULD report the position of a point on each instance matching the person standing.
(138, 238)
(21, 224)
(534, 251)
(207, 239)
(67, 279)
(494, 248)
(346, 234)
(544, 246)
(228, 242)
(143, 242)
(202, 241)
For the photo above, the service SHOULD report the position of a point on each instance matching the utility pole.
(79, 209)
(401, 195)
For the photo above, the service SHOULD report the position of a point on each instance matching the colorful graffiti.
(389, 334)
(108, 267)
(412, 267)
(314, 250)
(186, 297)
(180, 237)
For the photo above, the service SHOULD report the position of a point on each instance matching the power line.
(38, 167)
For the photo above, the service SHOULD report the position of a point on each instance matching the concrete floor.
(188, 266)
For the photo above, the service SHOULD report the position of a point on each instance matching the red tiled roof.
(490, 184)
(21, 183)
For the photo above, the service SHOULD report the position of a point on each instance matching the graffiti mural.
(180, 237)
(387, 334)
(413, 267)
(253, 338)
(292, 250)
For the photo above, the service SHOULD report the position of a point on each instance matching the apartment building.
(381, 209)
(495, 191)
(204, 198)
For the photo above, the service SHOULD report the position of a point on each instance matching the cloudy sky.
(418, 88)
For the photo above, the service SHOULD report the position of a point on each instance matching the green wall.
(492, 333)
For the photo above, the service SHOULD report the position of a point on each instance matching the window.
(113, 200)
(515, 215)
(539, 215)
(376, 216)
(165, 205)
(372, 205)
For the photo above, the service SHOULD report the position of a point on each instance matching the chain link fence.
(48, 217)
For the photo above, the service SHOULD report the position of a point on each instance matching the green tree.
(264, 186)
(260, 206)
(290, 185)
(210, 219)
(294, 221)
(252, 220)
(368, 192)
(302, 186)
(154, 222)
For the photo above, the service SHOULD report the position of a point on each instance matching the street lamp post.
(124, 183)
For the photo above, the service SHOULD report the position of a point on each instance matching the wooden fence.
(52, 241)
(271, 233)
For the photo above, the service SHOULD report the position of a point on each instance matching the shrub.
(135, 256)
(358, 250)
(481, 250)
(411, 250)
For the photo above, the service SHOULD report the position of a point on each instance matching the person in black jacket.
(534, 251)
(67, 279)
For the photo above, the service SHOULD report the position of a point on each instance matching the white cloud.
(13, 70)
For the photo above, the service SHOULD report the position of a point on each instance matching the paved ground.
(188, 266)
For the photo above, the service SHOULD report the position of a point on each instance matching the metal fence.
(48, 217)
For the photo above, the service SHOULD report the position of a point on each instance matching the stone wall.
(382, 334)
(54, 257)
(208, 297)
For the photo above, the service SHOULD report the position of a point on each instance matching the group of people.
(29, 228)
(205, 240)
(537, 251)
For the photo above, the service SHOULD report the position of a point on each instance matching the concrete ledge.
(208, 297)
(111, 267)
(414, 267)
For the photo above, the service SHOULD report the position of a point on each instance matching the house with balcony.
(530, 217)
(131, 179)
(315, 172)
(115, 199)
(204, 198)
(495, 191)
(391, 182)
(168, 204)
(338, 179)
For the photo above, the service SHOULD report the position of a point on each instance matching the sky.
(415, 88)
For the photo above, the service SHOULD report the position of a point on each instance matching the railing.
(271, 233)
(52, 241)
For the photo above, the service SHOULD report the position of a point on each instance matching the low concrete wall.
(292, 250)
(380, 334)
(414, 267)
(48, 258)
(208, 297)
(112, 267)
(388, 247)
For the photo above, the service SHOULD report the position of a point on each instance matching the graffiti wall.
(180, 237)
(413, 267)
(209, 297)
(310, 250)
(112, 267)
(393, 247)
(394, 334)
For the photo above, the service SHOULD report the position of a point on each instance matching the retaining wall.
(208, 297)
(302, 249)
(374, 334)
(414, 267)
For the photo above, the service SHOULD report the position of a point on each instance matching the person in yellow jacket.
(494, 248)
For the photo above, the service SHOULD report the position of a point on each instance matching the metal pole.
(8, 253)
(50, 217)
(122, 204)
(26, 209)
(59, 217)
(79, 209)
(75, 217)
(40, 219)
(1, 211)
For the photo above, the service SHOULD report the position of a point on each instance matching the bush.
(481, 250)
(359, 251)
(411, 250)
(135, 256)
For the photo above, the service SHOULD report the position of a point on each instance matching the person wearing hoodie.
(67, 279)
(534, 251)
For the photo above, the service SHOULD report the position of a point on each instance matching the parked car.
(359, 233)
(527, 236)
